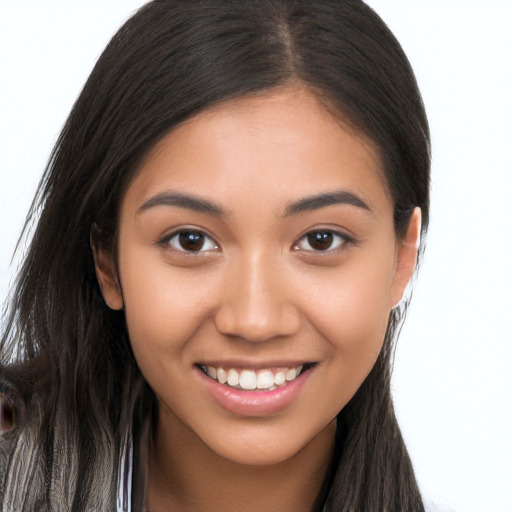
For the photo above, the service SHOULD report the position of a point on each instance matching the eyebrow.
(202, 205)
(183, 200)
(327, 199)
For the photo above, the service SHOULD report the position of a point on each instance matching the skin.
(257, 291)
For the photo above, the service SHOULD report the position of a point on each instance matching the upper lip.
(257, 365)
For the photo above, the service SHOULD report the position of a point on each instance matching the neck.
(185, 475)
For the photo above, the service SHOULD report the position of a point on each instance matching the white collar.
(124, 482)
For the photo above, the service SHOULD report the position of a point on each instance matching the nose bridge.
(255, 303)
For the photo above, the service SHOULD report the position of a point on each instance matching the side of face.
(258, 233)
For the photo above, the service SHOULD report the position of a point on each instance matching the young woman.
(206, 315)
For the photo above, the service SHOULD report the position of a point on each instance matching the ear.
(106, 274)
(407, 256)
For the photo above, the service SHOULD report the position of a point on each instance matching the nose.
(255, 302)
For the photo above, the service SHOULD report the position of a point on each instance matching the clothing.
(124, 492)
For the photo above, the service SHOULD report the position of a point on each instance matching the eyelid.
(345, 240)
(165, 241)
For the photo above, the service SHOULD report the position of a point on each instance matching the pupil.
(191, 241)
(320, 241)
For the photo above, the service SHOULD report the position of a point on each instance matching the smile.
(249, 379)
(250, 391)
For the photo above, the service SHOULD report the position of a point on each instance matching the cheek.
(350, 308)
(163, 307)
(353, 321)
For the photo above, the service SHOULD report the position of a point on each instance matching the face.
(256, 244)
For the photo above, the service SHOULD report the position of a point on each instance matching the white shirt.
(124, 500)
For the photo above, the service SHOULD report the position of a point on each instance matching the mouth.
(250, 379)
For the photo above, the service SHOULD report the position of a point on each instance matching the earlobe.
(407, 256)
(106, 274)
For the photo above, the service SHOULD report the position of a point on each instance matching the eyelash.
(168, 241)
(341, 240)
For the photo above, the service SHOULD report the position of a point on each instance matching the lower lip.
(254, 403)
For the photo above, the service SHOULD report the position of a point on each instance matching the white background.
(453, 379)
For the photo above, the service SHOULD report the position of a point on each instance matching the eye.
(189, 240)
(322, 241)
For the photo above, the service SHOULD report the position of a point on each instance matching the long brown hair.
(66, 358)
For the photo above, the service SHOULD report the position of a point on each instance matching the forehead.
(280, 144)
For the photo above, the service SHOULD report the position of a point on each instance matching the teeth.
(222, 376)
(249, 379)
(265, 379)
(233, 378)
(290, 374)
(279, 378)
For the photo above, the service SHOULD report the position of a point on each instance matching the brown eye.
(322, 241)
(191, 241)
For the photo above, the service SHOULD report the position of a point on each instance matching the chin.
(256, 455)
(264, 446)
